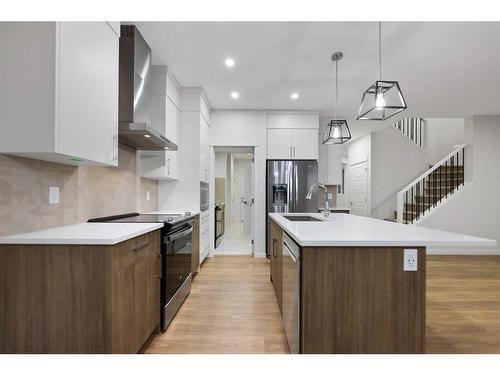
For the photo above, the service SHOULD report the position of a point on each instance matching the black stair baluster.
(405, 212)
(412, 202)
(446, 179)
(420, 137)
(453, 174)
(463, 163)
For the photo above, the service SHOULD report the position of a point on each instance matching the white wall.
(220, 164)
(441, 134)
(475, 209)
(395, 163)
(246, 128)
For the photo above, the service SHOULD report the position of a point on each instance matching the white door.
(305, 144)
(279, 144)
(246, 199)
(358, 188)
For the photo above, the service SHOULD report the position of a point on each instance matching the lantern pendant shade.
(382, 100)
(337, 132)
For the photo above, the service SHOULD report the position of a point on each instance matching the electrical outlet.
(410, 259)
(54, 195)
(330, 196)
(148, 195)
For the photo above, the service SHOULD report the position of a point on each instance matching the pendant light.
(383, 99)
(337, 131)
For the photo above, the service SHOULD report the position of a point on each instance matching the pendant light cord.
(336, 86)
(379, 50)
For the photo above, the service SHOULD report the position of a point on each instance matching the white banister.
(400, 196)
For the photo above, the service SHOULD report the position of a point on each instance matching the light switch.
(330, 196)
(148, 195)
(54, 195)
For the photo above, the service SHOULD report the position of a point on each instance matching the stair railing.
(438, 185)
(412, 128)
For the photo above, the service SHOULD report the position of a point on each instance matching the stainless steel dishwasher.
(291, 293)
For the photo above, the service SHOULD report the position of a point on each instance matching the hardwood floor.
(463, 304)
(232, 308)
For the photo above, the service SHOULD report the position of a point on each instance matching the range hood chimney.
(134, 115)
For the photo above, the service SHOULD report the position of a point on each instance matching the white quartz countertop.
(351, 230)
(83, 234)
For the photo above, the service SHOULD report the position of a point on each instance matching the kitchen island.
(352, 284)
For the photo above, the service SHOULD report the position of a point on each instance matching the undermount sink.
(300, 218)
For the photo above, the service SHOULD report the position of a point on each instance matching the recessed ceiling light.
(235, 95)
(147, 136)
(229, 62)
(294, 96)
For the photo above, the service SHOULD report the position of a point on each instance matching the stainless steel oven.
(204, 196)
(291, 293)
(177, 250)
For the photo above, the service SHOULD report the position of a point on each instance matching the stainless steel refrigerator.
(287, 185)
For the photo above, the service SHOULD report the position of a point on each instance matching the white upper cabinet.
(165, 117)
(158, 165)
(204, 150)
(292, 136)
(59, 92)
(279, 144)
(165, 102)
(305, 143)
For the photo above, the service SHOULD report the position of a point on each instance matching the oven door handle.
(179, 235)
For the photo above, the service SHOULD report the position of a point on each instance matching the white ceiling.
(445, 69)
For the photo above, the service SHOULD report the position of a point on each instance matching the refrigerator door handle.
(296, 186)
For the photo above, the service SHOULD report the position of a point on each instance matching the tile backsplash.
(85, 192)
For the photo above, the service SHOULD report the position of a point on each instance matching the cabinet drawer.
(128, 251)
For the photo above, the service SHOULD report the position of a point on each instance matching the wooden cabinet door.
(276, 260)
(279, 144)
(124, 313)
(147, 296)
(305, 144)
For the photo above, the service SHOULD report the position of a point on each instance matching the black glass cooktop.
(138, 218)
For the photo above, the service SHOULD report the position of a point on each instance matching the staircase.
(413, 129)
(432, 187)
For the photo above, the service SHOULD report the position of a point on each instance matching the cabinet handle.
(291, 151)
(294, 151)
(274, 247)
(141, 246)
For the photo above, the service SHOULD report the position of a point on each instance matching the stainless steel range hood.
(134, 116)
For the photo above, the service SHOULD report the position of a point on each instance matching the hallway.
(235, 241)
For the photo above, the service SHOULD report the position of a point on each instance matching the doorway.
(234, 202)
(358, 186)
